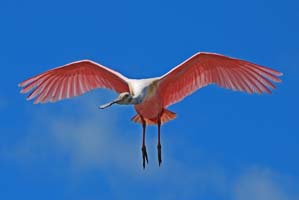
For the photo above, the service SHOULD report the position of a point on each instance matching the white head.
(124, 98)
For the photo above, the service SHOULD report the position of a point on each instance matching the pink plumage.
(72, 80)
(207, 68)
(152, 96)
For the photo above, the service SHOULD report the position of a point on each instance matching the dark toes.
(144, 156)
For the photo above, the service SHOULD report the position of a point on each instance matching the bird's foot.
(159, 154)
(144, 156)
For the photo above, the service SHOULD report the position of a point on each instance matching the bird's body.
(150, 105)
(151, 96)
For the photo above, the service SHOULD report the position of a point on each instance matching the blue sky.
(223, 145)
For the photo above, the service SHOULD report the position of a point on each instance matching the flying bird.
(151, 96)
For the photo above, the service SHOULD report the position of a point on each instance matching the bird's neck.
(139, 89)
(136, 100)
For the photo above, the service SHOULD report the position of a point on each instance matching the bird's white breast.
(139, 88)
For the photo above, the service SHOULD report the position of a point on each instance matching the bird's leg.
(143, 148)
(159, 144)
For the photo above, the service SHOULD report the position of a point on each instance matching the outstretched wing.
(208, 68)
(72, 80)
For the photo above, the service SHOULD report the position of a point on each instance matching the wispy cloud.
(260, 184)
(96, 140)
(91, 138)
(93, 142)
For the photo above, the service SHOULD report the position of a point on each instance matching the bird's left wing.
(207, 68)
(72, 80)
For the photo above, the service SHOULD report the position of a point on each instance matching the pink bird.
(151, 96)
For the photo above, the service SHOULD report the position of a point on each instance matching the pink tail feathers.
(166, 116)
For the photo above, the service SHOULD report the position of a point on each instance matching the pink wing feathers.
(72, 80)
(207, 68)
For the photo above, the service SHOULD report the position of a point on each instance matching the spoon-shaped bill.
(109, 104)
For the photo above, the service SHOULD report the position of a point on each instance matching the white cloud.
(94, 139)
(93, 142)
(261, 184)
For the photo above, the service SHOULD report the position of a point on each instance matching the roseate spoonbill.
(151, 96)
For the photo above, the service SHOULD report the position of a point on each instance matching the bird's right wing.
(208, 68)
(72, 80)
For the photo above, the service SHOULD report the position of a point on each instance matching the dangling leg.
(159, 144)
(143, 148)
